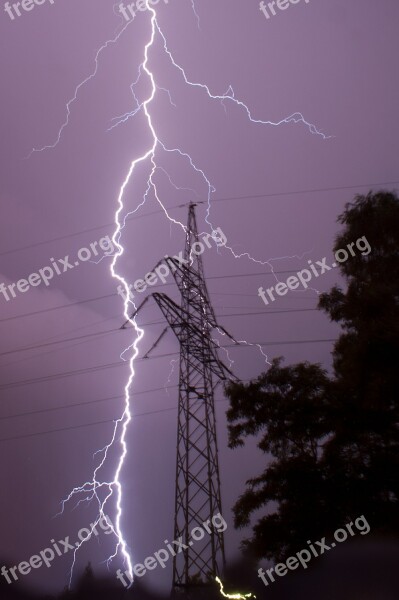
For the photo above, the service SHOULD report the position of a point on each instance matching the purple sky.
(335, 62)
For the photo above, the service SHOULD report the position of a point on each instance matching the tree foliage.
(331, 441)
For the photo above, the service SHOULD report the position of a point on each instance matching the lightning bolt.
(99, 488)
(196, 14)
(236, 596)
(229, 95)
(173, 364)
(77, 90)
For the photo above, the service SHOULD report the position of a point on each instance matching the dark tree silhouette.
(363, 452)
(332, 443)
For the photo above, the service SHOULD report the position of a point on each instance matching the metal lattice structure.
(197, 496)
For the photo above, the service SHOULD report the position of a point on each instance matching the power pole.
(197, 494)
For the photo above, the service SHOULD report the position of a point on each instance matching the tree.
(363, 452)
(286, 407)
(332, 442)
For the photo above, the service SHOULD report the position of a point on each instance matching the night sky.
(278, 192)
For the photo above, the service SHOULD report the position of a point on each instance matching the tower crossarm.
(192, 285)
(181, 323)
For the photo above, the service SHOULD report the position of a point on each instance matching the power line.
(63, 341)
(225, 199)
(88, 300)
(109, 331)
(45, 341)
(46, 310)
(88, 403)
(79, 404)
(63, 375)
(72, 427)
(69, 235)
(267, 312)
(29, 435)
(311, 191)
(72, 373)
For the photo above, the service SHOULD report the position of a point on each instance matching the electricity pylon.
(197, 494)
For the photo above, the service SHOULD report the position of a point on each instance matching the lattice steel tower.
(197, 496)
